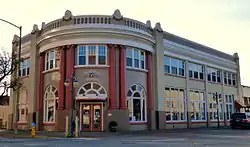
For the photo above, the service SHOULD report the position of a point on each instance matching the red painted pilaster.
(122, 76)
(62, 78)
(70, 69)
(149, 80)
(112, 79)
(40, 85)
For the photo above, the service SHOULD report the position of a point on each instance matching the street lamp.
(15, 73)
(71, 82)
(216, 97)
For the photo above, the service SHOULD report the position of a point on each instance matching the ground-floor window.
(23, 106)
(229, 106)
(50, 103)
(136, 101)
(212, 106)
(175, 104)
(197, 105)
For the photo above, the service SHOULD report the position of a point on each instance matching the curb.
(25, 136)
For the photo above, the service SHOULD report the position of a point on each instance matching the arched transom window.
(136, 100)
(92, 90)
(50, 103)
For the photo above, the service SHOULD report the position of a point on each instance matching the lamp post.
(15, 73)
(216, 97)
(71, 82)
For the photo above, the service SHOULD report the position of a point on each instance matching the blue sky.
(221, 24)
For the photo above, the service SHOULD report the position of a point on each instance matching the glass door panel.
(86, 117)
(97, 117)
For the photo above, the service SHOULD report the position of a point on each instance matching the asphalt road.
(191, 138)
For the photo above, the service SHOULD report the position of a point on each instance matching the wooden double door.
(91, 117)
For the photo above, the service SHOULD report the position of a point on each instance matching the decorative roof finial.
(15, 39)
(35, 29)
(158, 27)
(148, 23)
(67, 15)
(43, 25)
(236, 56)
(117, 15)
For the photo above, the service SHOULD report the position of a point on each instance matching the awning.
(239, 104)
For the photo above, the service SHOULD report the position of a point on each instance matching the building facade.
(246, 97)
(128, 72)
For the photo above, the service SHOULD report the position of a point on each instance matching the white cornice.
(174, 46)
(97, 40)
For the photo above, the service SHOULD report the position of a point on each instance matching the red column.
(41, 81)
(122, 71)
(112, 81)
(149, 80)
(62, 78)
(70, 69)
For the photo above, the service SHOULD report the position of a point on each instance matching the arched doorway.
(91, 97)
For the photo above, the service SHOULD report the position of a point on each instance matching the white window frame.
(229, 104)
(47, 59)
(45, 105)
(96, 55)
(24, 66)
(231, 77)
(209, 72)
(130, 99)
(198, 70)
(203, 102)
(179, 105)
(140, 59)
(220, 105)
(178, 66)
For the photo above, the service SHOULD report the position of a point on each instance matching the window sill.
(177, 122)
(214, 83)
(166, 74)
(50, 70)
(199, 80)
(22, 123)
(49, 123)
(91, 66)
(136, 69)
(138, 122)
(24, 77)
(198, 121)
(230, 85)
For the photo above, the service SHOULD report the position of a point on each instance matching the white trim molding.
(174, 46)
(97, 40)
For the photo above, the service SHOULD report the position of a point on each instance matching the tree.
(8, 66)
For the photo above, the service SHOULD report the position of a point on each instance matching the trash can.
(113, 126)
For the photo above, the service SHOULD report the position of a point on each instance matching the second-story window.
(196, 71)
(229, 78)
(135, 58)
(213, 75)
(24, 67)
(174, 66)
(92, 55)
(51, 60)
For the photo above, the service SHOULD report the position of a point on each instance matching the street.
(191, 138)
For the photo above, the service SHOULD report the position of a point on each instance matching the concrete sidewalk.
(42, 134)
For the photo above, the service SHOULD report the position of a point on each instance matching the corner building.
(128, 72)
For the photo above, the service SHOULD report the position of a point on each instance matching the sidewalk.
(44, 135)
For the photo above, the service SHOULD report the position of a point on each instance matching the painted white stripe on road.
(162, 140)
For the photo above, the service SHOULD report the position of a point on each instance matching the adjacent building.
(246, 97)
(112, 68)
